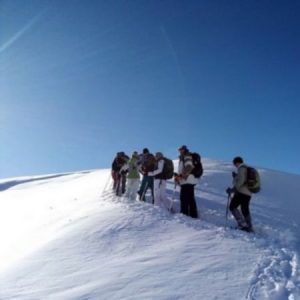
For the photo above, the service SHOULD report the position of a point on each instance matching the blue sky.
(82, 80)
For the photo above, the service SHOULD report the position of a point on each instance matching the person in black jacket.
(118, 172)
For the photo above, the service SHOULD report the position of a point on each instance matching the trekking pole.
(106, 184)
(173, 197)
(227, 209)
(144, 192)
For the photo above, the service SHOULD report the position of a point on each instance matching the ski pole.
(144, 192)
(106, 184)
(227, 209)
(173, 197)
(152, 190)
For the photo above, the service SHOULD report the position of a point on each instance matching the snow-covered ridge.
(66, 236)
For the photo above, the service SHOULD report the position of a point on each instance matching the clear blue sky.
(81, 80)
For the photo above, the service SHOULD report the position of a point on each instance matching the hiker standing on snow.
(187, 183)
(133, 176)
(147, 164)
(159, 180)
(242, 196)
(115, 168)
(119, 174)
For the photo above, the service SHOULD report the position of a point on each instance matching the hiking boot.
(248, 221)
(246, 228)
(140, 196)
(239, 218)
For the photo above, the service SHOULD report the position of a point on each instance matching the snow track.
(276, 275)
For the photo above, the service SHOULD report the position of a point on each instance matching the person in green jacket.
(133, 177)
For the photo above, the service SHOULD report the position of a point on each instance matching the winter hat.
(237, 160)
(145, 150)
(158, 155)
(135, 154)
(184, 148)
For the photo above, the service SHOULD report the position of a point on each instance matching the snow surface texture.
(67, 236)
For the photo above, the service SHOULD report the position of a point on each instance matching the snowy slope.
(66, 236)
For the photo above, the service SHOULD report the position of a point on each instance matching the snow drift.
(66, 236)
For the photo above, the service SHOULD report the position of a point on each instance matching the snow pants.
(187, 200)
(132, 188)
(121, 184)
(160, 192)
(242, 200)
(114, 175)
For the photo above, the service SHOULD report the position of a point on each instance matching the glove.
(233, 174)
(177, 178)
(184, 176)
(229, 190)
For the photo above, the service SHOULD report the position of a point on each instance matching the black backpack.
(253, 180)
(198, 168)
(168, 170)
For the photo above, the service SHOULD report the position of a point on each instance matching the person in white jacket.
(159, 180)
(187, 183)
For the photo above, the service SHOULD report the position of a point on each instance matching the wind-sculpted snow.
(8, 184)
(69, 237)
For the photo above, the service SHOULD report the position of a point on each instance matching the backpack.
(168, 170)
(117, 164)
(198, 168)
(148, 163)
(253, 180)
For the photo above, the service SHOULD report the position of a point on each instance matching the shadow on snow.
(10, 184)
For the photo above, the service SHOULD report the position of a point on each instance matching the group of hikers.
(156, 169)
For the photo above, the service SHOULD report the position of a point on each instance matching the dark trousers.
(115, 175)
(243, 201)
(187, 200)
(121, 184)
